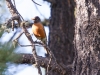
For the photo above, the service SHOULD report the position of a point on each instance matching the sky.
(28, 10)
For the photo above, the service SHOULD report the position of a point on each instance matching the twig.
(33, 47)
(19, 35)
(13, 11)
(25, 45)
(39, 11)
(14, 3)
(12, 36)
(16, 40)
(17, 10)
(36, 3)
(48, 66)
(13, 22)
(12, 19)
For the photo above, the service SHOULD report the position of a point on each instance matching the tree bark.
(61, 33)
(87, 38)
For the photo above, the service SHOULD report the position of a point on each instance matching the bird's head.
(36, 19)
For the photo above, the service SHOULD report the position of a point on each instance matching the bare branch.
(17, 11)
(43, 61)
(12, 9)
(19, 35)
(13, 12)
(33, 47)
(27, 45)
(39, 11)
(13, 22)
(12, 36)
(12, 19)
(14, 3)
(35, 2)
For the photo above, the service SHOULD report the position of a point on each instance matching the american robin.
(38, 30)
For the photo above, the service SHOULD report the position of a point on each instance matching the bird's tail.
(44, 40)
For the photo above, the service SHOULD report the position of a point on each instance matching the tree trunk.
(87, 38)
(61, 33)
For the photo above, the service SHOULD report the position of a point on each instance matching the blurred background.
(28, 10)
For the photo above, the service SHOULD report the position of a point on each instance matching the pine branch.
(43, 61)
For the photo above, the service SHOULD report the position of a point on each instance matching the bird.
(38, 30)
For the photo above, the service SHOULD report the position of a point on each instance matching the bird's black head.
(36, 19)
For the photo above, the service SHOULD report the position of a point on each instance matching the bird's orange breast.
(38, 30)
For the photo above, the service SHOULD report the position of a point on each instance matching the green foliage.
(3, 28)
(6, 55)
(1, 32)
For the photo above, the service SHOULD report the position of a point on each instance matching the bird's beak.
(33, 18)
